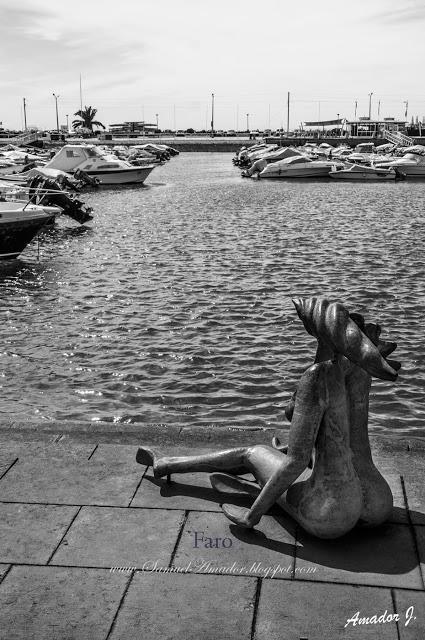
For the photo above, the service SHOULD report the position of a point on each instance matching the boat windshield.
(92, 152)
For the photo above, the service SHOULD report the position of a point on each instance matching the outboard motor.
(51, 194)
(84, 177)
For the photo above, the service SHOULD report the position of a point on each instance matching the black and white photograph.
(212, 299)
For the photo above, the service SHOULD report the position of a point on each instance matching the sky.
(139, 58)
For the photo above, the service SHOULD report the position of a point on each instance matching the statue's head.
(348, 335)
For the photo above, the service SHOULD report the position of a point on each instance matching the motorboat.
(361, 172)
(19, 224)
(107, 169)
(297, 167)
(412, 164)
(267, 158)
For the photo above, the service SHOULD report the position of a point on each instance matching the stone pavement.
(93, 547)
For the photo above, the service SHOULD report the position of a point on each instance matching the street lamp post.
(57, 115)
(212, 115)
(67, 123)
(337, 117)
(247, 122)
(157, 127)
(370, 105)
(25, 113)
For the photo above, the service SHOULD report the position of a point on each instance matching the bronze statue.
(329, 415)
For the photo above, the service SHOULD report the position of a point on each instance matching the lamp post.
(337, 117)
(57, 115)
(157, 127)
(212, 115)
(67, 123)
(370, 105)
(247, 122)
(25, 113)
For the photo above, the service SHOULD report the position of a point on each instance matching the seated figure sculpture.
(329, 421)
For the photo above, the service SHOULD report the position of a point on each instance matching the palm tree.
(87, 121)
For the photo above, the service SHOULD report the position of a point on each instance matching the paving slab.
(364, 556)
(257, 552)
(62, 450)
(50, 603)
(294, 610)
(399, 514)
(78, 481)
(410, 605)
(110, 537)
(415, 492)
(189, 607)
(31, 532)
(420, 539)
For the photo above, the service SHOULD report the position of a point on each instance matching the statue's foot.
(239, 515)
(145, 456)
(226, 483)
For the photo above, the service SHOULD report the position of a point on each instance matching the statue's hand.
(239, 515)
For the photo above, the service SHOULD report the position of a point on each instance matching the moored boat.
(19, 224)
(90, 160)
(362, 172)
(297, 167)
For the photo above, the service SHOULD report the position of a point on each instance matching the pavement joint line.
(127, 586)
(6, 573)
(62, 538)
(395, 611)
(9, 468)
(93, 452)
(257, 596)
(179, 537)
(413, 532)
(138, 485)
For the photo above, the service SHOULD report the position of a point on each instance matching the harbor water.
(175, 305)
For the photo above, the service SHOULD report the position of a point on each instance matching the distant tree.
(87, 120)
(190, 130)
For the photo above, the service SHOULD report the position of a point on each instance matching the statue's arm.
(309, 407)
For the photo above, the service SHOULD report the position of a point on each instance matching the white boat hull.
(319, 172)
(377, 176)
(122, 176)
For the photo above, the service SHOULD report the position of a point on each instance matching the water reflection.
(176, 305)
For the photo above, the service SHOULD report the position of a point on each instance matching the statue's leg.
(226, 483)
(231, 460)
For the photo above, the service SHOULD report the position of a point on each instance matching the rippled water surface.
(175, 306)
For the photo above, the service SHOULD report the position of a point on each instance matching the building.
(131, 129)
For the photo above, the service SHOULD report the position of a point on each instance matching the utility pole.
(370, 105)
(25, 114)
(287, 116)
(57, 115)
(81, 95)
(212, 115)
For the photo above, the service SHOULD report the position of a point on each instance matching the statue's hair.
(331, 322)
